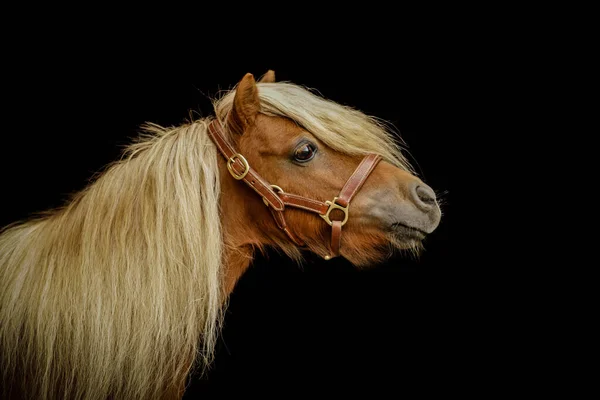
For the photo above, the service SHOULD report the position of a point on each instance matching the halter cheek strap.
(276, 199)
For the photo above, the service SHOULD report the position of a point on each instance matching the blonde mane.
(119, 293)
(108, 296)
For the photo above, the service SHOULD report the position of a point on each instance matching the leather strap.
(240, 169)
(252, 178)
(282, 224)
(304, 203)
(352, 186)
(336, 238)
(358, 178)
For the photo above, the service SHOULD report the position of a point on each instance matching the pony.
(121, 292)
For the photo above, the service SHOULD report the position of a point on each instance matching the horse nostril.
(425, 195)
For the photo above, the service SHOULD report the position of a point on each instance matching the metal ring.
(244, 162)
(277, 188)
(334, 206)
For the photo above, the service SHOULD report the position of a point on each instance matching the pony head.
(310, 146)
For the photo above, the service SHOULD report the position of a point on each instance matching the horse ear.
(269, 77)
(246, 105)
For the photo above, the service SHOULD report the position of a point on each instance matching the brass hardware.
(230, 166)
(334, 206)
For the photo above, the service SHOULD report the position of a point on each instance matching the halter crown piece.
(276, 199)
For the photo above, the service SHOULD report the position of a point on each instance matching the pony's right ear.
(246, 105)
(269, 77)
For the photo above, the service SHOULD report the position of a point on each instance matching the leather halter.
(276, 199)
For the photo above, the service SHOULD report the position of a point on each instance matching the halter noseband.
(276, 199)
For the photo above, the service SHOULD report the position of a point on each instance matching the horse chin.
(386, 246)
(403, 243)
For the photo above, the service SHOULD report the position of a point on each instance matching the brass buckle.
(230, 166)
(333, 206)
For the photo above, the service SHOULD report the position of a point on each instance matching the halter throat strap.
(276, 199)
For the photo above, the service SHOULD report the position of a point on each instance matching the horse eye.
(305, 152)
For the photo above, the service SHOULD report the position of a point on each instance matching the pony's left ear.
(246, 105)
(269, 77)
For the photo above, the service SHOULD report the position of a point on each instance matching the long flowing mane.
(116, 294)
(111, 292)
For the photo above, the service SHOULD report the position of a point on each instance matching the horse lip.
(411, 231)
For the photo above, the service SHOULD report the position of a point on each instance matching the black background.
(72, 98)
